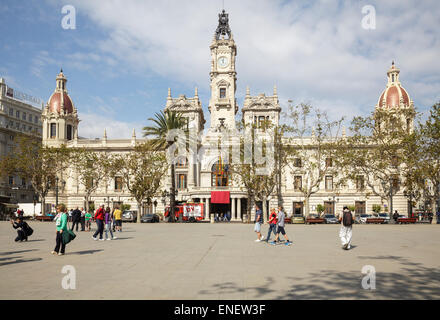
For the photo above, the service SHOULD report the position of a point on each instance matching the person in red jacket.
(99, 218)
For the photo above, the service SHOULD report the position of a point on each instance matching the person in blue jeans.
(258, 223)
(273, 220)
(108, 224)
(280, 227)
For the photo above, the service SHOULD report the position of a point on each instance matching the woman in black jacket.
(23, 232)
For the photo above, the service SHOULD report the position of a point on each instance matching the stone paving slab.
(222, 261)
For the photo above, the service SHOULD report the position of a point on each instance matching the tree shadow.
(86, 252)
(410, 281)
(20, 261)
(14, 252)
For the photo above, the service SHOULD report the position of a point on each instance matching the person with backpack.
(99, 218)
(273, 220)
(345, 233)
(24, 229)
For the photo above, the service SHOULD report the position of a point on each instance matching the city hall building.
(206, 180)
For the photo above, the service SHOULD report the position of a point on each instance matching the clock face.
(223, 62)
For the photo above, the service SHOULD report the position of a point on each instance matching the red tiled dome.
(55, 103)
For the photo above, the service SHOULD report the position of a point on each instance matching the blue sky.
(123, 55)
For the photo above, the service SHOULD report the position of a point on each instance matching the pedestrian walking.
(99, 218)
(69, 215)
(24, 229)
(280, 227)
(273, 220)
(61, 225)
(83, 219)
(395, 216)
(117, 215)
(258, 223)
(76, 218)
(88, 219)
(346, 231)
(108, 224)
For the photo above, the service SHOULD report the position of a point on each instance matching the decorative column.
(207, 208)
(233, 209)
(239, 209)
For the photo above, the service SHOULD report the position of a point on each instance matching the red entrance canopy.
(219, 196)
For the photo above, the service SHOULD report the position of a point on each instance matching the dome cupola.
(394, 95)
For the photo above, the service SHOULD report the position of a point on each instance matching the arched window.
(219, 174)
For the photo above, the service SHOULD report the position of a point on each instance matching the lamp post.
(56, 192)
(170, 140)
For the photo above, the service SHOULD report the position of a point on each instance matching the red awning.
(219, 196)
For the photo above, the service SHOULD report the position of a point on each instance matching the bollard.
(212, 218)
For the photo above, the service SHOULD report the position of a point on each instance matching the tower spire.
(223, 26)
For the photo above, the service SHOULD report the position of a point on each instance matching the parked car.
(330, 218)
(129, 216)
(150, 217)
(297, 218)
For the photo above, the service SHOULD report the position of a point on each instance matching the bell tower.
(222, 104)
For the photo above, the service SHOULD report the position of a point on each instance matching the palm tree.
(163, 123)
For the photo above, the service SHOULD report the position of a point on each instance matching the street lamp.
(56, 192)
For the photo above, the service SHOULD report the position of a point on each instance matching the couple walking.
(276, 225)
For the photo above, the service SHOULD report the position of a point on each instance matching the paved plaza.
(222, 261)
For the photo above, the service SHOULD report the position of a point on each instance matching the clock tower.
(222, 104)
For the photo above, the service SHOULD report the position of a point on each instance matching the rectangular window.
(261, 120)
(35, 119)
(11, 112)
(298, 163)
(181, 181)
(222, 93)
(329, 207)
(17, 114)
(30, 118)
(181, 162)
(53, 130)
(23, 196)
(360, 183)
(297, 183)
(395, 182)
(11, 180)
(24, 115)
(328, 183)
(118, 183)
(69, 132)
(23, 182)
(360, 207)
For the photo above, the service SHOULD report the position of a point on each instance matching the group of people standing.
(276, 226)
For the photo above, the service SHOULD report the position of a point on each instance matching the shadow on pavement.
(123, 238)
(20, 261)
(411, 281)
(36, 240)
(14, 252)
(86, 252)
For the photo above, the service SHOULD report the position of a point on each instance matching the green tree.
(36, 163)
(376, 149)
(162, 131)
(313, 140)
(142, 171)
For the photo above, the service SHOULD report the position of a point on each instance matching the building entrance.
(221, 211)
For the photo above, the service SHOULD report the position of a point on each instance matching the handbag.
(68, 235)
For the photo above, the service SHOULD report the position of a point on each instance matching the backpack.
(27, 229)
(347, 219)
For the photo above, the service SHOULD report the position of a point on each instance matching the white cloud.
(314, 51)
